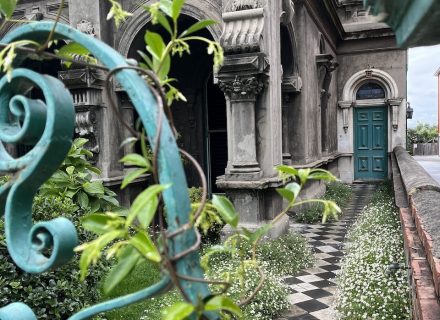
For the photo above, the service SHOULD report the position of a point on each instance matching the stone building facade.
(308, 83)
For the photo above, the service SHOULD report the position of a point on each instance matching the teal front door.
(371, 144)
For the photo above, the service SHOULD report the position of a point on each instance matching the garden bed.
(373, 283)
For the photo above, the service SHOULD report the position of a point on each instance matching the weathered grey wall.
(306, 118)
(393, 62)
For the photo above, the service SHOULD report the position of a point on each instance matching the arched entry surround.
(396, 117)
(197, 9)
(201, 121)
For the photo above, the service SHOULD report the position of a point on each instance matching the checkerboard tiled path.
(312, 290)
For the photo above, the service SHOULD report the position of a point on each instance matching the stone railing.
(418, 199)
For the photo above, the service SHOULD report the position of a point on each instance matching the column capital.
(242, 88)
(395, 101)
(345, 104)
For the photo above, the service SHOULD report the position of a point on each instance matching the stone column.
(242, 94)
(291, 85)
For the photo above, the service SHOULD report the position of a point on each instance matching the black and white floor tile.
(312, 291)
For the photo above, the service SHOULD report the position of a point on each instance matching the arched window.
(370, 90)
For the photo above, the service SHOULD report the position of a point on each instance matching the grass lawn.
(144, 275)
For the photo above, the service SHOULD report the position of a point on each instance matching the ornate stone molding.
(345, 106)
(86, 27)
(86, 127)
(242, 88)
(242, 31)
(82, 78)
(395, 107)
(288, 12)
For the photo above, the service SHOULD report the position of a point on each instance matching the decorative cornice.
(242, 31)
(82, 78)
(242, 88)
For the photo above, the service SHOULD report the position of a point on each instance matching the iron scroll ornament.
(52, 136)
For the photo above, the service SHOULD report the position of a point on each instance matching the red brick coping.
(424, 268)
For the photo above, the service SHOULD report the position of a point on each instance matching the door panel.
(370, 141)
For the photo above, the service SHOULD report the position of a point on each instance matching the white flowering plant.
(367, 287)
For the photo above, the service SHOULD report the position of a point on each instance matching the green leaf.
(7, 7)
(94, 187)
(226, 210)
(287, 170)
(143, 243)
(223, 303)
(295, 188)
(83, 200)
(127, 262)
(95, 205)
(176, 8)
(136, 160)
(165, 68)
(198, 26)
(70, 170)
(72, 50)
(166, 6)
(303, 175)
(164, 22)
(286, 194)
(79, 142)
(155, 44)
(101, 223)
(133, 175)
(178, 311)
(146, 216)
(141, 203)
(260, 232)
(320, 174)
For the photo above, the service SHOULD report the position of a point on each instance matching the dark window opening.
(370, 90)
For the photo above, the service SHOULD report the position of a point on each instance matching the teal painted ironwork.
(26, 243)
(416, 23)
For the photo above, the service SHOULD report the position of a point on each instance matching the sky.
(423, 62)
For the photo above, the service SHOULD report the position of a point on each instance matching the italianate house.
(307, 83)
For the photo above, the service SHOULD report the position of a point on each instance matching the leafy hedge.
(55, 294)
(368, 288)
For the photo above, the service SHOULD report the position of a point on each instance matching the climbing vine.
(141, 233)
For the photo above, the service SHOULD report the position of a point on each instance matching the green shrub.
(74, 180)
(338, 192)
(55, 294)
(366, 287)
(213, 235)
(287, 255)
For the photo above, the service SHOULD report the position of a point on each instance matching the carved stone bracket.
(345, 106)
(85, 86)
(85, 127)
(395, 106)
(292, 84)
(326, 61)
(242, 31)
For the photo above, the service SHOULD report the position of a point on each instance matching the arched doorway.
(371, 133)
(201, 121)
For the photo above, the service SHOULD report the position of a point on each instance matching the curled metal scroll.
(16, 197)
